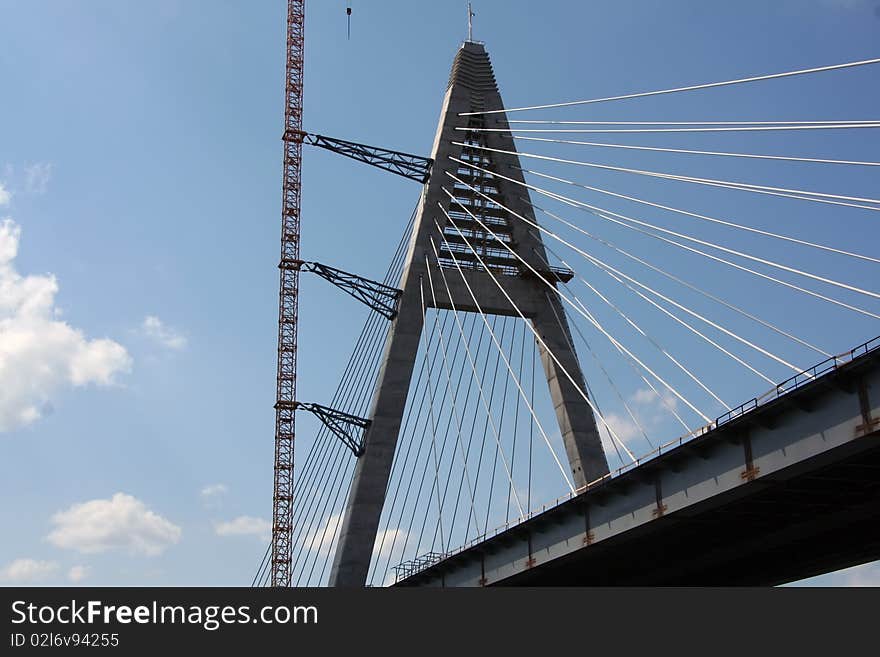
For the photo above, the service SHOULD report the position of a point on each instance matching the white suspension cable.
(540, 339)
(433, 424)
(408, 534)
(817, 197)
(578, 204)
(763, 261)
(598, 362)
(665, 298)
(690, 286)
(639, 329)
(632, 363)
(703, 217)
(448, 373)
(696, 152)
(567, 300)
(590, 393)
(513, 376)
(697, 123)
(751, 271)
(595, 131)
(473, 370)
(694, 87)
(814, 199)
(598, 264)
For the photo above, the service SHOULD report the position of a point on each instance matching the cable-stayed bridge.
(519, 350)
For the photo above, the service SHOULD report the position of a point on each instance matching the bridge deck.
(785, 491)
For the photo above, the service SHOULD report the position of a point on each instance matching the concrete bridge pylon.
(472, 88)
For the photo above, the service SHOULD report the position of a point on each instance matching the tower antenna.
(471, 15)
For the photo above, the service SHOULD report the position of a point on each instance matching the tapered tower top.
(473, 69)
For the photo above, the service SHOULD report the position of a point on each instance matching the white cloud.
(324, 537)
(244, 526)
(213, 490)
(644, 396)
(623, 427)
(4, 195)
(212, 495)
(387, 538)
(155, 329)
(38, 353)
(649, 409)
(78, 573)
(120, 523)
(321, 538)
(36, 177)
(23, 571)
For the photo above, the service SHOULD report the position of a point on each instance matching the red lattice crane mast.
(378, 296)
(288, 298)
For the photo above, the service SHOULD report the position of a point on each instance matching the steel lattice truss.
(377, 296)
(288, 302)
(414, 167)
(341, 424)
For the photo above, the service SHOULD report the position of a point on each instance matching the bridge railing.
(414, 566)
(407, 568)
(800, 379)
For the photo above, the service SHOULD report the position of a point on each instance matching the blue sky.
(140, 173)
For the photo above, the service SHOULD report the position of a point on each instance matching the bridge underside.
(818, 521)
(787, 491)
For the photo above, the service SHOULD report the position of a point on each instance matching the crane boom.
(288, 298)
